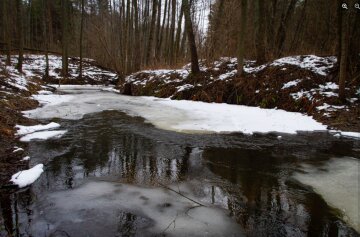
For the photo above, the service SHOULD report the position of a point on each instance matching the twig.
(164, 186)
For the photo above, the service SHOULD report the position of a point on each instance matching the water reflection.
(249, 176)
(265, 201)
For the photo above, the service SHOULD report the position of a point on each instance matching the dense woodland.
(129, 35)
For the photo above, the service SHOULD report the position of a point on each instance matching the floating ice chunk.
(43, 135)
(26, 177)
(23, 130)
(338, 182)
(159, 211)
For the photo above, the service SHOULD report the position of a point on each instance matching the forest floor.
(299, 84)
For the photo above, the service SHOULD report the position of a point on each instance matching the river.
(113, 174)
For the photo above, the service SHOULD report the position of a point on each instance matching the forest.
(179, 117)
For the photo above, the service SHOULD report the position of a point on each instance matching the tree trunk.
(284, 23)
(241, 39)
(6, 33)
(344, 54)
(172, 33)
(178, 32)
(20, 35)
(195, 69)
(46, 26)
(149, 50)
(65, 53)
(81, 38)
(137, 38)
(260, 32)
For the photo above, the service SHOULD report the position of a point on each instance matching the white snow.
(291, 84)
(52, 99)
(351, 134)
(17, 149)
(26, 158)
(43, 135)
(329, 85)
(184, 87)
(227, 75)
(338, 183)
(183, 116)
(23, 130)
(26, 177)
(330, 108)
(319, 65)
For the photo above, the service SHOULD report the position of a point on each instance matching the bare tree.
(344, 46)
(20, 35)
(81, 38)
(241, 37)
(195, 69)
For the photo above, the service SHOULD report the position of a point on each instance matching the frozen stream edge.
(180, 116)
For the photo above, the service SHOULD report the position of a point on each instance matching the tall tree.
(20, 34)
(6, 32)
(195, 69)
(149, 49)
(241, 37)
(81, 38)
(260, 32)
(65, 41)
(344, 47)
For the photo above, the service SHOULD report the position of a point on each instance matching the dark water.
(250, 176)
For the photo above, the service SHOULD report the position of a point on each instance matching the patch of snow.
(319, 65)
(44, 92)
(26, 158)
(184, 87)
(250, 69)
(338, 183)
(26, 177)
(330, 108)
(291, 84)
(355, 135)
(23, 130)
(43, 135)
(17, 149)
(300, 94)
(329, 86)
(228, 75)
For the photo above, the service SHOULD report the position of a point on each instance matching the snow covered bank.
(180, 116)
(26, 177)
(23, 130)
(154, 212)
(43, 135)
(337, 182)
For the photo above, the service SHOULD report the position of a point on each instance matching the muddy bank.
(304, 84)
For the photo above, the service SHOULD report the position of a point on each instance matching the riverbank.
(303, 84)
